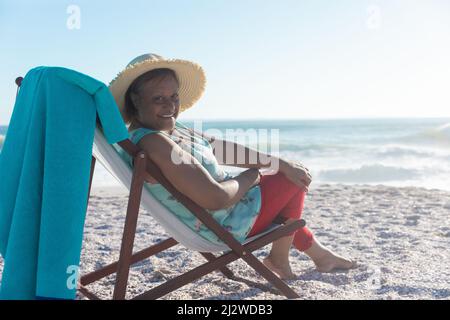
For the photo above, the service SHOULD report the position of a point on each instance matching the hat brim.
(191, 77)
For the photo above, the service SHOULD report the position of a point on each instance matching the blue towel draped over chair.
(44, 179)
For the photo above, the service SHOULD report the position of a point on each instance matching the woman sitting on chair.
(151, 92)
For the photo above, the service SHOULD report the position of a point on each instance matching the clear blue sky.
(263, 59)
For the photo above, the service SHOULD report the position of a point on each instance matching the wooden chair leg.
(281, 286)
(135, 258)
(187, 277)
(219, 262)
(225, 270)
(126, 250)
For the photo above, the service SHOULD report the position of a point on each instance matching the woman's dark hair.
(130, 110)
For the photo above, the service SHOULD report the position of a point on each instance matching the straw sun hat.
(190, 75)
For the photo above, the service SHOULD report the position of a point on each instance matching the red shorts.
(281, 198)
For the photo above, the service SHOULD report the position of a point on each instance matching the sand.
(400, 237)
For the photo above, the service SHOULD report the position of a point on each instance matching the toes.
(285, 275)
(354, 264)
(336, 263)
(347, 263)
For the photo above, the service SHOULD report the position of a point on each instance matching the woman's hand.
(297, 173)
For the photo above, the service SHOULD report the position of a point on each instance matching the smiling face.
(157, 103)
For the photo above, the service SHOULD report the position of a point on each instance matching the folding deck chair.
(112, 157)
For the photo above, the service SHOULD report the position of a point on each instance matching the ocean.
(395, 152)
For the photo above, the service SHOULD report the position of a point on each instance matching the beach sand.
(400, 237)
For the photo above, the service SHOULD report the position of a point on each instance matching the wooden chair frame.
(238, 251)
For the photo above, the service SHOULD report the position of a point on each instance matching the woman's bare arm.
(190, 178)
(234, 154)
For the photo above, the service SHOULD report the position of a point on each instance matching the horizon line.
(307, 119)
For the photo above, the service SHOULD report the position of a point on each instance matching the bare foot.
(332, 261)
(284, 271)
